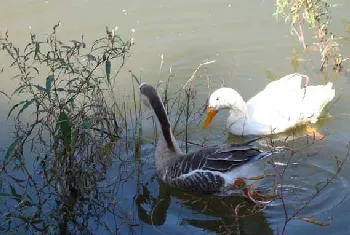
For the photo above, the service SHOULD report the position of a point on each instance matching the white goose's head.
(222, 98)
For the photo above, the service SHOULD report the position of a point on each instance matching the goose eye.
(217, 98)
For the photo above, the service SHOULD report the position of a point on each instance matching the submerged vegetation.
(76, 143)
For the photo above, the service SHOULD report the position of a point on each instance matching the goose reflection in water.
(221, 215)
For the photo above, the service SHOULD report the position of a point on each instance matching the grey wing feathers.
(217, 158)
(232, 147)
(202, 170)
(204, 182)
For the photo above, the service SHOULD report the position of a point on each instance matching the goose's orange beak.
(210, 115)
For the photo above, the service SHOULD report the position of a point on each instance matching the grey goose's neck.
(157, 105)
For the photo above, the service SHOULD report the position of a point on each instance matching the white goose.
(217, 169)
(283, 104)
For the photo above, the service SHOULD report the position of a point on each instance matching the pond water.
(248, 45)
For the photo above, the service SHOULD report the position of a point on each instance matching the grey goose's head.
(148, 94)
(151, 98)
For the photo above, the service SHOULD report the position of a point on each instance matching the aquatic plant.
(66, 125)
(316, 14)
(280, 171)
(70, 128)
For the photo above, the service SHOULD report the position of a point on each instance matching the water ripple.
(301, 183)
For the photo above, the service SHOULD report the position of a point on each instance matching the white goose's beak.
(210, 115)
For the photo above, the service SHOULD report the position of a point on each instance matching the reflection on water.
(166, 210)
(222, 215)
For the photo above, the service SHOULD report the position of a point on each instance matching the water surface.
(247, 44)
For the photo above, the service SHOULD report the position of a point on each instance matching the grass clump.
(66, 122)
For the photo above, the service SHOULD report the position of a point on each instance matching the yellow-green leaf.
(313, 221)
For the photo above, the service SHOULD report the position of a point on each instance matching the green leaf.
(49, 80)
(17, 180)
(37, 49)
(14, 107)
(2, 92)
(19, 89)
(14, 194)
(11, 148)
(117, 38)
(108, 70)
(76, 43)
(65, 128)
(36, 70)
(13, 190)
(40, 88)
(36, 221)
(91, 57)
(86, 124)
(26, 105)
(270, 75)
(74, 138)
